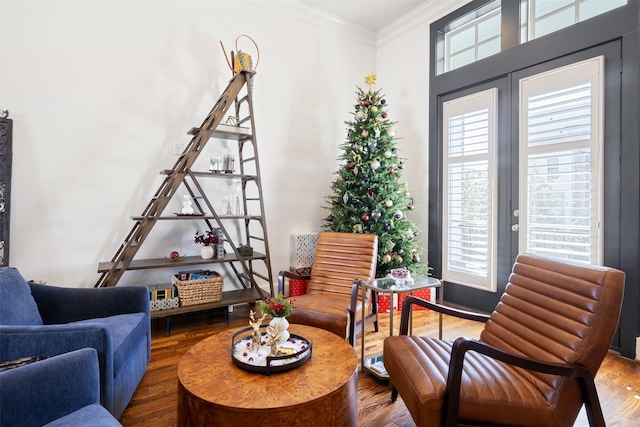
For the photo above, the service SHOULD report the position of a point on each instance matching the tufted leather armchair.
(332, 301)
(536, 358)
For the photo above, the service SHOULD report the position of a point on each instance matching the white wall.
(100, 91)
(403, 66)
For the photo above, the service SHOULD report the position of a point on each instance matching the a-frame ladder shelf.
(251, 275)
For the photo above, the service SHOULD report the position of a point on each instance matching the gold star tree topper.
(370, 79)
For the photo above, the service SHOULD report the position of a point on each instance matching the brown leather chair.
(332, 301)
(536, 358)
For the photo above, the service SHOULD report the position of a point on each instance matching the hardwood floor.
(154, 403)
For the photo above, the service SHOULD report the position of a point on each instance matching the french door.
(523, 170)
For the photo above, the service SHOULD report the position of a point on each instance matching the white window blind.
(560, 163)
(469, 224)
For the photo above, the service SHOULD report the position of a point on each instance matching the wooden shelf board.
(216, 175)
(226, 132)
(144, 264)
(194, 217)
(238, 296)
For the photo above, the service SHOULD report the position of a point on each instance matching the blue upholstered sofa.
(63, 390)
(40, 320)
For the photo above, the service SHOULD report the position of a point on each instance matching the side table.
(394, 286)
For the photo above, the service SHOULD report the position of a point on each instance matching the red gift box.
(384, 305)
(422, 293)
(298, 287)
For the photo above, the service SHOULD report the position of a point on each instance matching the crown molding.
(345, 27)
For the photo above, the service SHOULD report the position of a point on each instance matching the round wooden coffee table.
(213, 391)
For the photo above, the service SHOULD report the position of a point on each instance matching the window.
(469, 225)
(481, 32)
(470, 38)
(560, 162)
(547, 16)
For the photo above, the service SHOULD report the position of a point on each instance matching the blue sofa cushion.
(17, 306)
(92, 415)
(127, 330)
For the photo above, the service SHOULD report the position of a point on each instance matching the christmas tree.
(368, 196)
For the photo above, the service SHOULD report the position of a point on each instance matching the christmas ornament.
(357, 228)
(410, 207)
(365, 133)
(366, 179)
(376, 214)
(416, 257)
(397, 214)
(369, 192)
(388, 203)
(330, 218)
(377, 132)
(379, 118)
(390, 169)
(391, 132)
(384, 115)
(387, 227)
(351, 165)
(374, 109)
(386, 258)
(387, 154)
(375, 165)
(389, 245)
(345, 198)
(355, 170)
(361, 115)
(399, 259)
(382, 101)
(365, 217)
(366, 102)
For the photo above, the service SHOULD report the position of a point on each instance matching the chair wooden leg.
(394, 393)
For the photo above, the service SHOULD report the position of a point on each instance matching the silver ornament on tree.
(361, 115)
(397, 214)
(376, 214)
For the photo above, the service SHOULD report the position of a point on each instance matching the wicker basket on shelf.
(199, 291)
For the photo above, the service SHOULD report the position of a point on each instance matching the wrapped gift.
(299, 286)
(422, 293)
(303, 249)
(384, 302)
